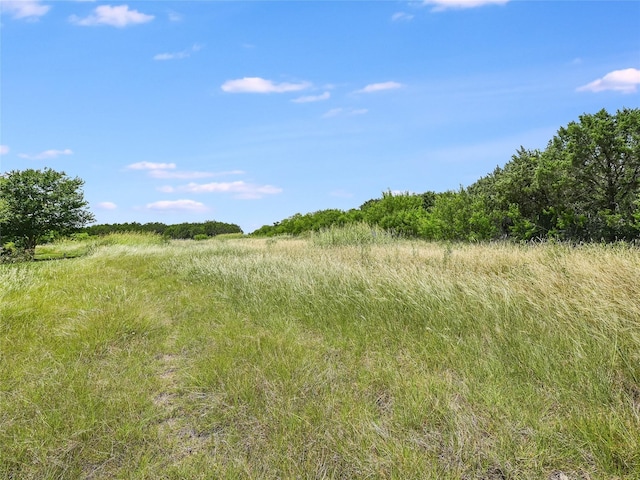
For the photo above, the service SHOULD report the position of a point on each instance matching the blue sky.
(248, 112)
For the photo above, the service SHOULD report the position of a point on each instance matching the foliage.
(310, 222)
(180, 231)
(399, 214)
(585, 186)
(459, 216)
(601, 155)
(10, 253)
(40, 203)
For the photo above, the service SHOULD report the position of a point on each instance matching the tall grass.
(353, 234)
(283, 358)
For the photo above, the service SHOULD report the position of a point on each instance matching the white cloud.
(4, 149)
(178, 55)
(164, 174)
(151, 166)
(172, 56)
(260, 85)
(107, 206)
(239, 189)
(440, 5)
(27, 9)
(312, 98)
(174, 16)
(348, 112)
(341, 194)
(119, 17)
(625, 81)
(47, 154)
(402, 16)
(177, 205)
(378, 87)
(191, 175)
(334, 112)
(168, 171)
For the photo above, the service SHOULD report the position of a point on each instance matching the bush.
(79, 236)
(11, 253)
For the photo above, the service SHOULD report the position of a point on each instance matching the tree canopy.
(585, 186)
(210, 228)
(35, 203)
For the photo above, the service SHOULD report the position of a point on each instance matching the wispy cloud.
(174, 16)
(168, 171)
(239, 189)
(47, 154)
(624, 81)
(312, 98)
(341, 194)
(114, 16)
(107, 206)
(334, 112)
(379, 87)
(4, 149)
(440, 5)
(186, 175)
(261, 85)
(178, 55)
(24, 9)
(347, 112)
(177, 205)
(151, 166)
(402, 17)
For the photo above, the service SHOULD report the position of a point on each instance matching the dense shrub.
(585, 186)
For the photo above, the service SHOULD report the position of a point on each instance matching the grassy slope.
(289, 359)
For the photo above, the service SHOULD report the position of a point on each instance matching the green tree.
(40, 202)
(517, 199)
(601, 154)
(398, 213)
(584, 186)
(459, 215)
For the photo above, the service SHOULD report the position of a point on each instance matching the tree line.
(584, 186)
(179, 231)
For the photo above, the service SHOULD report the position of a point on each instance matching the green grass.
(332, 357)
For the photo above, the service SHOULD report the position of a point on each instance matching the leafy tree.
(584, 186)
(459, 216)
(516, 198)
(209, 228)
(40, 202)
(401, 214)
(601, 154)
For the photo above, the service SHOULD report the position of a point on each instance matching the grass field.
(335, 356)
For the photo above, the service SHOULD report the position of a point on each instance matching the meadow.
(348, 354)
